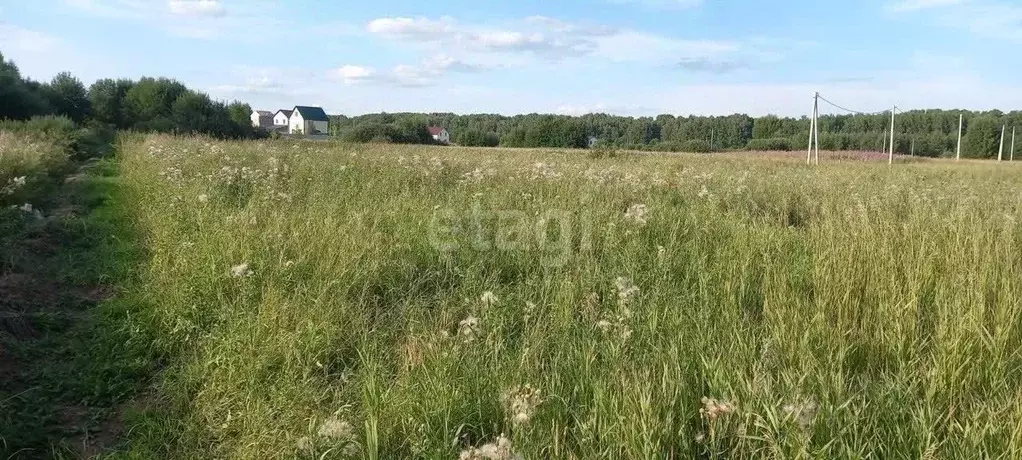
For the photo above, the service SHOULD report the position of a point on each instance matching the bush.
(477, 138)
(777, 143)
(78, 143)
(696, 146)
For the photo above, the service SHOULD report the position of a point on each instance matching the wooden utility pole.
(961, 118)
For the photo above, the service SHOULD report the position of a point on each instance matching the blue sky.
(628, 57)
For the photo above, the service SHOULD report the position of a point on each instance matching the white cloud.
(995, 19)
(41, 55)
(425, 73)
(21, 40)
(662, 4)
(415, 29)
(194, 19)
(352, 74)
(903, 6)
(548, 39)
(208, 8)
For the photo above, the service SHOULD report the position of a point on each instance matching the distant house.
(593, 140)
(308, 120)
(262, 119)
(440, 134)
(282, 117)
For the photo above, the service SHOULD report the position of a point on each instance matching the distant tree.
(192, 113)
(477, 138)
(412, 130)
(766, 127)
(147, 105)
(68, 97)
(982, 138)
(240, 113)
(19, 99)
(106, 99)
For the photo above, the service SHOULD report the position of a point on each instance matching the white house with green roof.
(308, 120)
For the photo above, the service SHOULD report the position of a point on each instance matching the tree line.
(165, 105)
(919, 132)
(147, 104)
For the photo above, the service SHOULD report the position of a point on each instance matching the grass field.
(320, 300)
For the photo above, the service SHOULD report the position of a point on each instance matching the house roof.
(287, 113)
(264, 113)
(435, 130)
(312, 113)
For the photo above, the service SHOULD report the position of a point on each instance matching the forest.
(928, 133)
(145, 105)
(168, 106)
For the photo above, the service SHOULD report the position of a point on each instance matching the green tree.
(19, 99)
(106, 99)
(240, 113)
(147, 105)
(766, 127)
(68, 97)
(982, 138)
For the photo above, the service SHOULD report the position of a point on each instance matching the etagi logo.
(553, 235)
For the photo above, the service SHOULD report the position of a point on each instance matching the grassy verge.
(66, 366)
(341, 301)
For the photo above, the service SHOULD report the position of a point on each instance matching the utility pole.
(816, 126)
(912, 151)
(1000, 151)
(890, 156)
(1012, 157)
(812, 128)
(961, 118)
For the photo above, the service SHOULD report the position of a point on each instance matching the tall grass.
(361, 301)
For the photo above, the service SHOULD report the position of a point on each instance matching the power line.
(857, 112)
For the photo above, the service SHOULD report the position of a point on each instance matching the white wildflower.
(469, 329)
(203, 198)
(700, 438)
(530, 308)
(13, 185)
(661, 251)
(521, 403)
(604, 325)
(637, 213)
(476, 175)
(497, 450)
(305, 446)
(289, 264)
(626, 290)
(241, 270)
(713, 409)
(704, 193)
(489, 298)
(803, 413)
(336, 429)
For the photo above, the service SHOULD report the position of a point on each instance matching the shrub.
(477, 138)
(696, 146)
(777, 143)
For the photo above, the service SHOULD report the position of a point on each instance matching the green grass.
(851, 310)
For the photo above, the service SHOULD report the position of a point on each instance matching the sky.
(625, 57)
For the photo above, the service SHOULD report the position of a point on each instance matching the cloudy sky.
(628, 57)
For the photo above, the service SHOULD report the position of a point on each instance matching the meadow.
(330, 300)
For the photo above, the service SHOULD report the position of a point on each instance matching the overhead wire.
(857, 112)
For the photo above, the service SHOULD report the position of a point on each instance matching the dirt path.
(51, 281)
